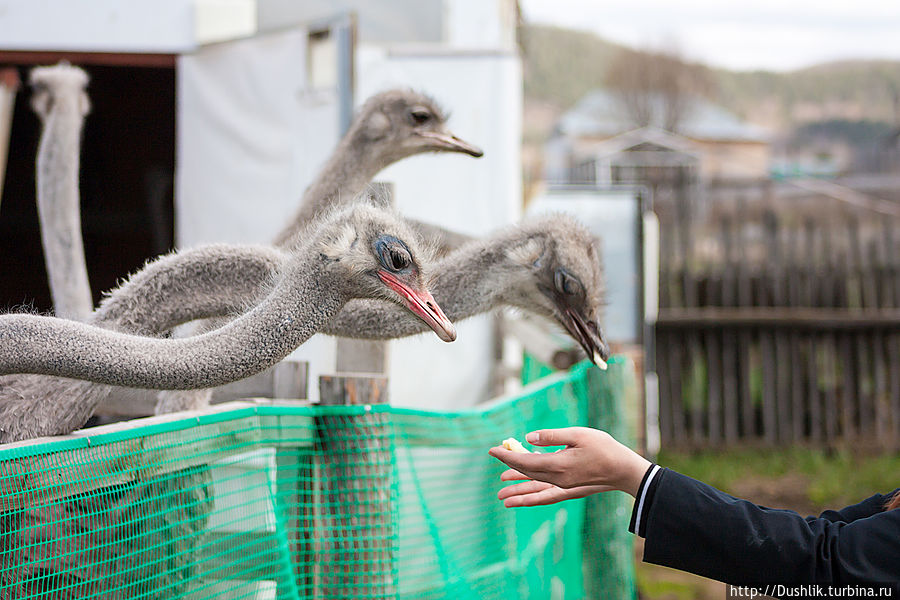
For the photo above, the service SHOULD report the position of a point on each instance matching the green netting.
(287, 502)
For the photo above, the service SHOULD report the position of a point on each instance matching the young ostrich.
(356, 253)
(390, 126)
(547, 265)
(60, 101)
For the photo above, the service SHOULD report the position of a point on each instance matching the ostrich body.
(390, 126)
(60, 101)
(356, 253)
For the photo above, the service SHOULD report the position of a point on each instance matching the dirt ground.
(663, 583)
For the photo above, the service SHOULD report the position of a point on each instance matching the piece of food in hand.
(514, 445)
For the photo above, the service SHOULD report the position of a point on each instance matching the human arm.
(866, 508)
(694, 527)
(691, 526)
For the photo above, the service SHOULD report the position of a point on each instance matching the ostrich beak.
(588, 336)
(446, 141)
(423, 305)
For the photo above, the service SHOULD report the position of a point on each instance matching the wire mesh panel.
(288, 502)
(458, 541)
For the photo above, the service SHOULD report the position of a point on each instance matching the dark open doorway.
(127, 169)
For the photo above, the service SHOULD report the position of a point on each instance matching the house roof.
(600, 113)
(647, 135)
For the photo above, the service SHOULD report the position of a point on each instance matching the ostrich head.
(380, 257)
(559, 274)
(400, 123)
(59, 82)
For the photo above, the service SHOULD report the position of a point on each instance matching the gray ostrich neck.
(59, 209)
(149, 303)
(346, 174)
(305, 298)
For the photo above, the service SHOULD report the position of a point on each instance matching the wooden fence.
(780, 329)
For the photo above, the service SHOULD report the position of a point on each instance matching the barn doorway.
(127, 171)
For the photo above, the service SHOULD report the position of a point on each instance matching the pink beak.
(451, 143)
(423, 305)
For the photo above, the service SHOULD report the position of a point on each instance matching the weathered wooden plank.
(815, 402)
(892, 339)
(766, 345)
(849, 394)
(730, 398)
(355, 558)
(804, 318)
(794, 292)
(666, 394)
(697, 362)
(745, 339)
(881, 403)
(863, 299)
(830, 300)
(714, 388)
(677, 358)
(728, 298)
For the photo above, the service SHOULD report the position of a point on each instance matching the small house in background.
(637, 156)
(597, 143)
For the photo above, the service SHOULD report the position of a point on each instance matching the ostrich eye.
(566, 283)
(399, 259)
(420, 116)
(393, 254)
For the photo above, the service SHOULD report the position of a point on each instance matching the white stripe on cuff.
(640, 508)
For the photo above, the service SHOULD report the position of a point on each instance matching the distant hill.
(561, 65)
(852, 90)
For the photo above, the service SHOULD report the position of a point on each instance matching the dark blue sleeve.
(866, 508)
(694, 527)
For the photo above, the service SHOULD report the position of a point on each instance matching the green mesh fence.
(285, 502)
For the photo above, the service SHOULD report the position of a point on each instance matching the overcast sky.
(755, 34)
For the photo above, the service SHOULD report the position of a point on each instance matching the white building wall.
(160, 26)
(480, 24)
(483, 94)
(251, 137)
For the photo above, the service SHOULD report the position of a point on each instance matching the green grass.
(833, 479)
(651, 588)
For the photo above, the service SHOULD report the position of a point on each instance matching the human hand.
(591, 458)
(540, 493)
